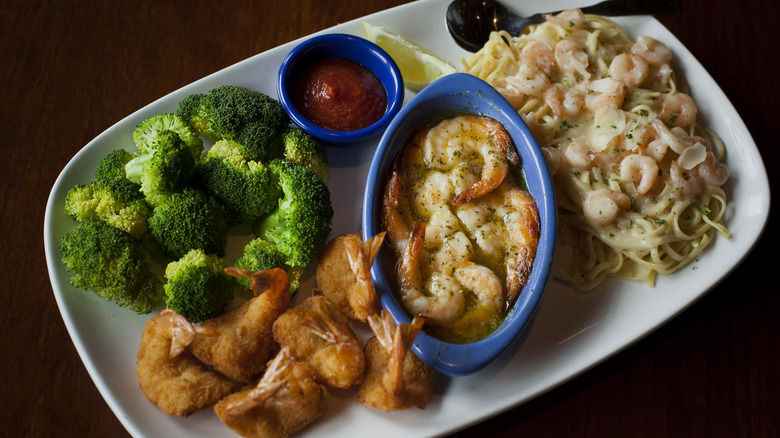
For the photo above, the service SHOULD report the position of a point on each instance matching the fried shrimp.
(246, 342)
(343, 274)
(169, 375)
(319, 334)
(285, 400)
(396, 378)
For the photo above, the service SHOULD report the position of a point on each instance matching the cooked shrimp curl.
(246, 342)
(396, 378)
(285, 400)
(319, 334)
(169, 375)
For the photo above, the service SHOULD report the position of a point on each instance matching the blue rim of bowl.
(356, 49)
(474, 96)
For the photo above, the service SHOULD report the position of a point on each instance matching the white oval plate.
(572, 332)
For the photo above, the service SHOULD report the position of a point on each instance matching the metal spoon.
(471, 21)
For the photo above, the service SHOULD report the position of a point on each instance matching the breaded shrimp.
(343, 274)
(320, 335)
(169, 375)
(246, 342)
(395, 378)
(284, 401)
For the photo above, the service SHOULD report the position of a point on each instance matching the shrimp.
(604, 93)
(570, 58)
(679, 110)
(630, 69)
(431, 192)
(641, 170)
(528, 81)
(521, 217)
(539, 55)
(396, 378)
(712, 171)
(652, 50)
(246, 342)
(555, 159)
(446, 301)
(564, 101)
(687, 184)
(284, 401)
(570, 19)
(394, 205)
(319, 334)
(363, 300)
(603, 205)
(483, 282)
(343, 273)
(676, 138)
(169, 375)
(454, 139)
(578, 155)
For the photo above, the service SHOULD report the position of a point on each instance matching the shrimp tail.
(361, 256)
(268, 386)
(273, 281)
(518, 269)
(182, 332)
(396, 340)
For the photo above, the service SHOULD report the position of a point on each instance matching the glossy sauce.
(340, 95)
(435, 164)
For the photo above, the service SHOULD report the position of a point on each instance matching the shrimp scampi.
(486, 235)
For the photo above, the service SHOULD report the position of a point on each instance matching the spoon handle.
(616, 8)
(609, 8)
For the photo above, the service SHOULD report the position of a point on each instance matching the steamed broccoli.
(198, 287)
(189, 220)
(300, 225)
(148, 133)
(112, 165)
(166, 170)
(229, 112)
(112, 264)
(260, 255)
(115, 201)
(247, 189)
(304, 149)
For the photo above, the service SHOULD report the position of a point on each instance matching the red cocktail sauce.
(340, 95)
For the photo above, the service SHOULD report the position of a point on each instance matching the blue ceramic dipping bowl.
(462, 93)
(353, 48)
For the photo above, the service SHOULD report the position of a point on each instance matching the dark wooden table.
(70, 69)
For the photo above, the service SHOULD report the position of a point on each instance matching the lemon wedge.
(419, 66)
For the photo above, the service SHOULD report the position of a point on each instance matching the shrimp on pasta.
(638, 181)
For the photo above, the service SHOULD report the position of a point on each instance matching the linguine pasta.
(638, 181)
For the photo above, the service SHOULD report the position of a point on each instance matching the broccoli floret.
(300, 225)
(228, 112)
(166, 170)
(113, 265)
(260, 255)
(304, 149)
(112, 165)
(148, 133)
(189, 220)
(247, 189)
(115, 201)
(198, 287)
